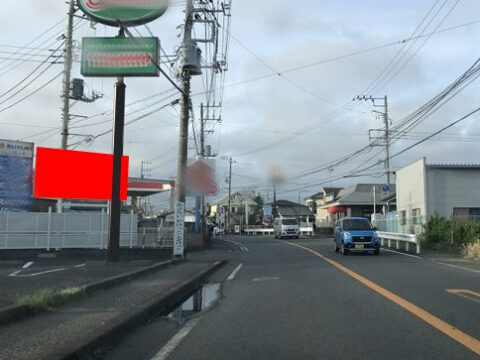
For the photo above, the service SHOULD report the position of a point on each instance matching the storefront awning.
(336, 210)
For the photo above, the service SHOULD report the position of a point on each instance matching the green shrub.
(47, 299)
(449, 234)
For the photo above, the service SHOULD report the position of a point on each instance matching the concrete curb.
(16, 312)
(13, 312)
(115, 329)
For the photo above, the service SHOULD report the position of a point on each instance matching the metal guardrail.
(265, 231)
(257, 231)
(398, 237)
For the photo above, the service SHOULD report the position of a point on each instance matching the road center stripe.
(456, 334)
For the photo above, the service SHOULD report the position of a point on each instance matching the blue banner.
(15, 183)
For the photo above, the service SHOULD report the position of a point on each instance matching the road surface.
(297, 299)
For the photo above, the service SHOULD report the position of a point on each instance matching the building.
(356, 200)
(424, 190)
(243, 208)
(317, 202)
(289, 209)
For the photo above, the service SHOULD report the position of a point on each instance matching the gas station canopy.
(138, 187)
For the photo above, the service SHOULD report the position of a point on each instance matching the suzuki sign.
(123, 12)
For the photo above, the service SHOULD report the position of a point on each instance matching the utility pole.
(274, 199)
(66, 83)
(386, 130)
(144, 168)
(203, 228)
(229, 196)
(179, 241)
(387, 139)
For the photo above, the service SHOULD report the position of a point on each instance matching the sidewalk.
(54, 334)
(59, 274)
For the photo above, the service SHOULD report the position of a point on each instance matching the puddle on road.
(203, 299)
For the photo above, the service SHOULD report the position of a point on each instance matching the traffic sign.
(123, 13)
(201, 178)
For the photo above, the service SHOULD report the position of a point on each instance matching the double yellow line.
(458, 335)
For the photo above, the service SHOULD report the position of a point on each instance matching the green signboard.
(123, 12)
(103, 56)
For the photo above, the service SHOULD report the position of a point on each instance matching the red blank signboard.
(65, 174)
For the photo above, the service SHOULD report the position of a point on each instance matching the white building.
(447, 190)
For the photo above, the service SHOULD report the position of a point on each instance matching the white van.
(286, 227)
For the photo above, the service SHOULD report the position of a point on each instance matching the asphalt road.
(291, 302)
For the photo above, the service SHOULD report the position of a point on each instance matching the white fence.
(400, 238)
(63, 231)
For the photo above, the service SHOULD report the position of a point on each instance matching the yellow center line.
(456, 334)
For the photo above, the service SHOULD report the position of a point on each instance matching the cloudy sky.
(326, 52)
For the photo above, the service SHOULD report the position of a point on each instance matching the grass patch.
(47, 299)
(472, 251)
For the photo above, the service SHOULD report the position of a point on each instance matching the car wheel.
(336, 248)
(344, 251)
(376, 252)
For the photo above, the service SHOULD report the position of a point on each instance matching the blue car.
(354, 234)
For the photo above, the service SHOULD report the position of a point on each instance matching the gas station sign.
(102, 56)
(123, 13)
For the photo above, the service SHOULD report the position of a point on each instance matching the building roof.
(328, 190)
(316, 196)
(325, 191)
(454, 166)
(362, 194)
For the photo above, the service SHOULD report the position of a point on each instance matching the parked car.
(353, 234)
(286, 227)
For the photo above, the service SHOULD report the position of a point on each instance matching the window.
(289, 222)
(416, 213)
(464, 214)
(474, 213)
(403, 217)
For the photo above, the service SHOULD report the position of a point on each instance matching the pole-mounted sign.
(123, 13)
(119, 56)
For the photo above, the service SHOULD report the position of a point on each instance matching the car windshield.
(289, 222)
(357, 224)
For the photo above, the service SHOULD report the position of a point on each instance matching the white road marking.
(27, 265)
(234, 272)
(455, 266)
(16, 273)
(81, 265)
(169, 347)
(242, 247)
(400, 253)
(434, 261)
(272, 278)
